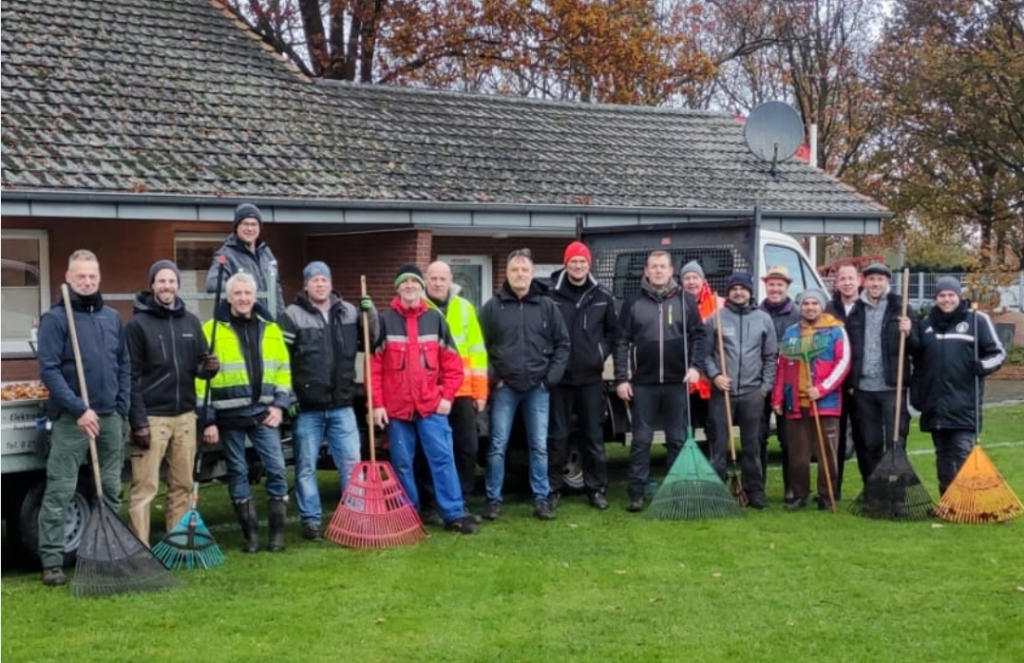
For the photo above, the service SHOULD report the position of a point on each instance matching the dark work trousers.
(951, 450)
(700, 417)
(780, 432)
(586, 402)
(670, 400)
(849, 431)
(876, 411)
(802, 438)
(462, 419)
(747, 413)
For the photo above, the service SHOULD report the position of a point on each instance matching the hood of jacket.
(302, 300)
(825, 321)
(560, 280)
(670, 291)
(238, 245)
(537, 289)
(145, 302)
(90, 304)
(410, 312)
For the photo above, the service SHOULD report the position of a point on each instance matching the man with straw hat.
(169, 353)
(813, 361)
(784, 313)
(417, 372)
(107, 369)
(954, 350)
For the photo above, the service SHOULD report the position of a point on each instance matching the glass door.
(473, 276)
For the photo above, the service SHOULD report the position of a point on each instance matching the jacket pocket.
(395, 359)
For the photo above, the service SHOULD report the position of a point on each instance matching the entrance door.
(473, 275)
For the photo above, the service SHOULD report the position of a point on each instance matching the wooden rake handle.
(94, 456)
(721, 359)
(367, 372)
(823, 464)
(905, 290)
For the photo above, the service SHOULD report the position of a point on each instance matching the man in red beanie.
(589, 313)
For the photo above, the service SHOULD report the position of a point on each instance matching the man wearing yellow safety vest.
(472, 395)
(248, 398)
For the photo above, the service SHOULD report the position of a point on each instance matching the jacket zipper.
(739, 358)
(177, 371)
(661, 341)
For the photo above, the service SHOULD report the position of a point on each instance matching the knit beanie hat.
(741, 279)
(948, 284)
(163, 264)
(576, 250)
(315, 268)
(692, 267)
(813, 293)
(409, 271)
(244, 211)
(877, 268)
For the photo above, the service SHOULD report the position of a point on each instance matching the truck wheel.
(76, 515)
(572, 473)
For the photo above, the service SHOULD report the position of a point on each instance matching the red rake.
(374, 511)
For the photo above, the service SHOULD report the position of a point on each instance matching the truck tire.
(76, 515)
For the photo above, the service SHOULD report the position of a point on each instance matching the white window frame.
(21, 347)
(487, 271)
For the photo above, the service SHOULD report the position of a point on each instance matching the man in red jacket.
(416, 372)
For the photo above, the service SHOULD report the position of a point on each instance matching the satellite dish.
(774, 132)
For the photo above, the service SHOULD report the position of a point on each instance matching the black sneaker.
(431, 517)
(824, 504)
(542, 511)
(796, 503)
(493, 510)
(53, 576)
(554, 499)
(635, 505)
(312, 533)
(463, 525)
(598, 500)
(758, 503)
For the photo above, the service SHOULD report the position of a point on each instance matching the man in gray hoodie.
(747, 373)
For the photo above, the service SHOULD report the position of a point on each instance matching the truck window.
(718, 264)
(25, 288)
(801, 273)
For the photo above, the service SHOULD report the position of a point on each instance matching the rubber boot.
(245, 511)
(278, 507)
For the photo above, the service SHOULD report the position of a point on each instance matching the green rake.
(692, 490)
(190, 545)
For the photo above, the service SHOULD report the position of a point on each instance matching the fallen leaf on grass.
(656, 599)
(716, 574)
(620, 572)
(771, 546)
(380, 620)
(936, 525)
(573, 525)
(565, 565)
(1020, 589)
(790, 621)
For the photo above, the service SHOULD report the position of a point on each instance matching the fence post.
(920, 287)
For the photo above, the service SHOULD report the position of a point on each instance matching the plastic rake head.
(692, 490)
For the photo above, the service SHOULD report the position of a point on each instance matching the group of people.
(680, 356)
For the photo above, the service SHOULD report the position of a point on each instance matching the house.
(133, 128)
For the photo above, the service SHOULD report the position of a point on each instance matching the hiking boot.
(431, 517)
(493, 510)
(463, 525)
(796, 503)
(824, 504)
(245, 512)
(598, 500)
(312, 532)
(554, 499)
(758, 503)
(542, 511)
(636, 505)
(278, 508)
(53, 576)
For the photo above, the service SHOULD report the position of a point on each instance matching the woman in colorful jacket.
(814, 359)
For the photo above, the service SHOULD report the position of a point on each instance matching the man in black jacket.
(246, 252)
(168, 353)
(323, 334)
(527, 352)
(953, 351)
(589, 314)
(844, 301)
(659, 330)
(874, 327)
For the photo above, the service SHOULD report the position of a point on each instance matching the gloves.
(140, 438)
(211, 364)
(365, 304)
(293, 411)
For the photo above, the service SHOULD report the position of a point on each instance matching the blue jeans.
(267, 442)
(336, 426)
(436, 437)
(535, 404)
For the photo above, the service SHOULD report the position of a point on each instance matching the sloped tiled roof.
(175, 97)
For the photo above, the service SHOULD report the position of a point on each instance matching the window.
(801, 273)
(25, 288)
(193, 253)
(473, 276)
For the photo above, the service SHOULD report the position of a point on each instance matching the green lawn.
(589, 586)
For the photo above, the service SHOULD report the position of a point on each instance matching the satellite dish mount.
(773, 132)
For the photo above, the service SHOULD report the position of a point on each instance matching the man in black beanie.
(246, 252)
(168, 353)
